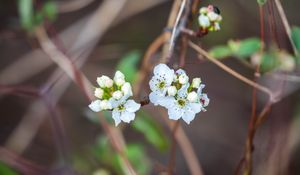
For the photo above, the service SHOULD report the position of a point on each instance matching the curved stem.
(172, 159)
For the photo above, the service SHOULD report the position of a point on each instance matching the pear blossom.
(174, 92)
(159, 83)
(125, 111)
(209, 18)
(181, 107)
(113, 95)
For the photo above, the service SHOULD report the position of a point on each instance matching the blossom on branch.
(113, 95)
(173, 91)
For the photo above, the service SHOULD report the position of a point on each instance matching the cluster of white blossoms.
(173, 91)
(113, 95)
(210, 18)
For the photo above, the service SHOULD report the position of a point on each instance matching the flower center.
(181, 102)
(121, 108)
(161, 85)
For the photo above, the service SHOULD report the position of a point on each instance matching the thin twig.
(285, 24)
(170, 25)
(232, 72)
(70, 69)
(172, 159)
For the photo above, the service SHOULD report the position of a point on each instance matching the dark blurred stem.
(249, 147)
(172, 159)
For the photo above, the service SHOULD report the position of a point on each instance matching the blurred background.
(101, 35)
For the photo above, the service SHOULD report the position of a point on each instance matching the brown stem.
(85, 86)
(172, 159)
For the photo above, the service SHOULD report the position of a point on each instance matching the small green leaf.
(151, 130)
(268, 62)
(220, 52)
(138, 158)
(50, 10)
(25, 8)
(5, 170)
(128, 65)
(296, 37)
(248, 47)
(261, 2)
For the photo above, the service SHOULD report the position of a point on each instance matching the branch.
(69, 68)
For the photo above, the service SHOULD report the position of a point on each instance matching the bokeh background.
(218, 135)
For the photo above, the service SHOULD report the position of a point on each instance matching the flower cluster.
(113, 95)
(173, 91)
(209, 18)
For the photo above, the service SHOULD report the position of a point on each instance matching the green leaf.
(25, 8)
(296, 37)
(261, 2)
(248, 47)
(128, 65)
(5, 170)
(268, 62)
(138, 158)
(220, 52)
(50, 10)
(151, 130)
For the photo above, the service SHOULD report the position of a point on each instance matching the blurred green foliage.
(135, 153)
(152, 130)
(29, 17)
(5, 170)
(128, 65)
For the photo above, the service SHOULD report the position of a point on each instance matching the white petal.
(167, 101)
(95, 106)
(204, 21)
(204, 100)
(132, 106)
(153, 83)
(155, 98)
(116, 116)
(175, 113)
(162, 71)
(188, 116)
(127, 116)
(195, 107)
(182, 92)
(199, 91)
(180, 72)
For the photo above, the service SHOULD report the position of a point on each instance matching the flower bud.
(192, 97)
(212, 16)
(105, 105)
(117, 95)
(183, 79)
(203, 10)
(98, 93)
(119, 78)
(204, 21)
(126, 89)
(196, 82)
(172, 91)
(104, 81)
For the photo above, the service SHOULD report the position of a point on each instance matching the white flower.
(162, 79)
(105, 105)
(95, 106)
(117, 95)
(104, 81)
(127, 90)
(172, 91)
(125, 111)
(183, 79)
(119, 78)
(196, 82)
(192, 97)
(98, 93)
(212, 16)
(182, 107)
(204, 21)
